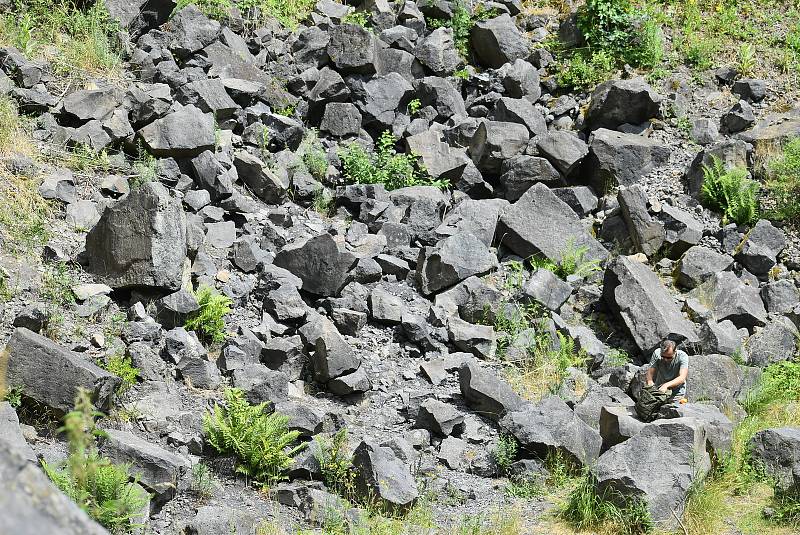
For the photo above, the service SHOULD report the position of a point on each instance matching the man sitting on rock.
(669, 368)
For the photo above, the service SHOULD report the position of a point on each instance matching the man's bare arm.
(679, 380)
(651, 372)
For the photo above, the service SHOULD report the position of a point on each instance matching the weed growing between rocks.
(208, 322)
(505, 453)
(99, 487)
(262, 442)
(573, 262)
(783, 182)
(588, 509)
(386, 166)
(122, 367)
(335, 462)
(461, 23)
(730, 192)
(203, 480)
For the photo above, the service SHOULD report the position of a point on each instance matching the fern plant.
(98, 486)
(730, 192)
(208, 320)
(262, 442)
(573, 262)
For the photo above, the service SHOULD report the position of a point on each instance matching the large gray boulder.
(659, 465)
(760, 247)
(159, 470)
(191, 31)
(698, 264)
(778, 451)
(352, 49)
(319, 262)
(494, 142)
(719, 428)
(565, 150)
(33, 505)
(522, 171)
(774, 342)
(268, 186)
(477, 217)
(546, 288)
(52, 375)
(552, 425)
(381, 475)
(140, 241)
(683, 231)
(714, 378)
(618, 102)
(640, 300)
(728, 297)
(333, 357)
(498, 41)
(617, 158)
(541, 224)
(181, 134)
(452, 260)
(618, 423)
(647, 233)
(139, 16)
(486, 393)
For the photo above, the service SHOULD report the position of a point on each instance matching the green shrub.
(783, 182)
(100, 488)
(779, 383)
(122, 367)
(505, 453)
(13, 395)
(335, 463)
(314, 157)
(289, 13)
(262, 443)
(323, 202)
(588, 509)
(57, 283)
(208, 321)
(203, 480)
(356, 17)
(730, 192)
(786, 506)
(584, 69)
(386, 166)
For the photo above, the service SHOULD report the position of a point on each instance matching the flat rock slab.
(644, 305)
(541, 224)
(52, 375)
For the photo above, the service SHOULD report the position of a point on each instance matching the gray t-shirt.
(666, 371)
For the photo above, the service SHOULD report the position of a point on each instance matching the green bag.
(650, 401)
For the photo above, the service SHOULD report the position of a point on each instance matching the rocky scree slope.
(411, 317)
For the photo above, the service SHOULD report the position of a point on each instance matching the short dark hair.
(667, 345)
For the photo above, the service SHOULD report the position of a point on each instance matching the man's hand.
(663, 388)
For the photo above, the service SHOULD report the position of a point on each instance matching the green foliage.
(613, 27)
(57, 283)
(262, 443)
(588, 509)
(524, 488)
(289, 13)
(730, 192)
(514, 272)
(584, 69)
(356, 17)
(573, 262)
(213, 9)
(144, 167)
(786, 506)
(335, 463)
(505, 453)
(323, 202)
(100, 488)
(286, 111)
(462, 74)
(315, 160)
(75, 37)
(203, 480)
(414, 106)
(783, 182)
(122, 367)
(618, 357)
(780, 383)
(746, 59)
(386, 166)
(462, 22)
(13, 395)
(208, 321)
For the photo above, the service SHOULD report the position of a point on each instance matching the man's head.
(667, 350)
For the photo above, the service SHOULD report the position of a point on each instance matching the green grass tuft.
(783, 182)
(588, 509)
(122, 367)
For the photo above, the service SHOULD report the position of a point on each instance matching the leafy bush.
(122, 367)
(356, 17)
(315, 160)
(505, 453)
(588, 509)
(730, 192)
(780, 383)
(783, 181)
(386, 166)
(100, 488)
(262, 442)
(461, 23)
(208, 321)
(288, 12)
(585, 69)
(335, 462)
(203, 481)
